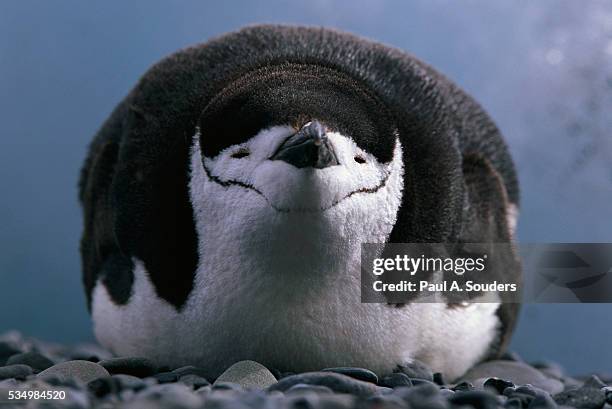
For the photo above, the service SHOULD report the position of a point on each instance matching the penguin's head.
(304, 139)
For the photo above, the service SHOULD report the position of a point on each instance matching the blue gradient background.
(542, 69)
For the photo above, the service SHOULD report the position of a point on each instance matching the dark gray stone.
(10, 383)
(593, 381)
(543, 401)
(190, 370)
(193, 381)
(463, 387)
(419, 381)
(518, 373)
(395, 380)
(529, 390)
(438, 379)
(34, 360)
(304, 388)
(166, 377)
(582, 398)
(130, 382)
(15, 371)
(416, 370)
(82, 371)
(103, 386)
(524, 398)
(169, 395)
(386, 402)
(88, 352)
(7, 349)
(425, 396)
(498, 385)
(204, 391)
(357, 373)
(513, 403)
(477, 399)
(334, 381)
(608, 393)
(135, 366)
(227, 386)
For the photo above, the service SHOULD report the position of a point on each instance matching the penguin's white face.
(252, 165)
(283, 203)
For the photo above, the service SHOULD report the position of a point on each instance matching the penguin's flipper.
(487, 212)
(98, 240)
(487, 207)
(134, 192)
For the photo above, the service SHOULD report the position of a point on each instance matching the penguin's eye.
(359, 159)
(241, 153)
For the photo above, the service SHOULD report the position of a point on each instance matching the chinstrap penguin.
(227, 196)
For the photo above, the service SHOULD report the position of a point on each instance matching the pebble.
(416, 370)
(135, 383)
(249, 374)
(477, 399)
(438, 379)
(9, 383)
(34, 360)
(582, 398)
(171, 395)
(463, 386)
(190, 370)
(518, 373)
(135, 366)
(15, 371)
(227, 386)
(82, 371)
(204, 391)
(386, 402)
(334, 381)
(524, 397)
(304, 388)
(87, 352)
(395, 380)
(166, 377)
(103, 386)
(425, 396)
(543, 401)
(7, 349)
(608, 393)
(418, 381)
(513, 403)
(497, 384)
(357, 373)
(193, 381)
(593, 381)
(130, 382)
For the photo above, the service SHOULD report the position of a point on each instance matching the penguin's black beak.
(309, 147)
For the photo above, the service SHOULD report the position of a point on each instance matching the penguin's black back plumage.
(134, 184)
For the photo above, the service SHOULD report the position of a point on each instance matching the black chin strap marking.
(231, 182)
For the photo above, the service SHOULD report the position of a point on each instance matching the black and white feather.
(226, 198)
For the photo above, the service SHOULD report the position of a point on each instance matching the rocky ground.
(44, 375)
